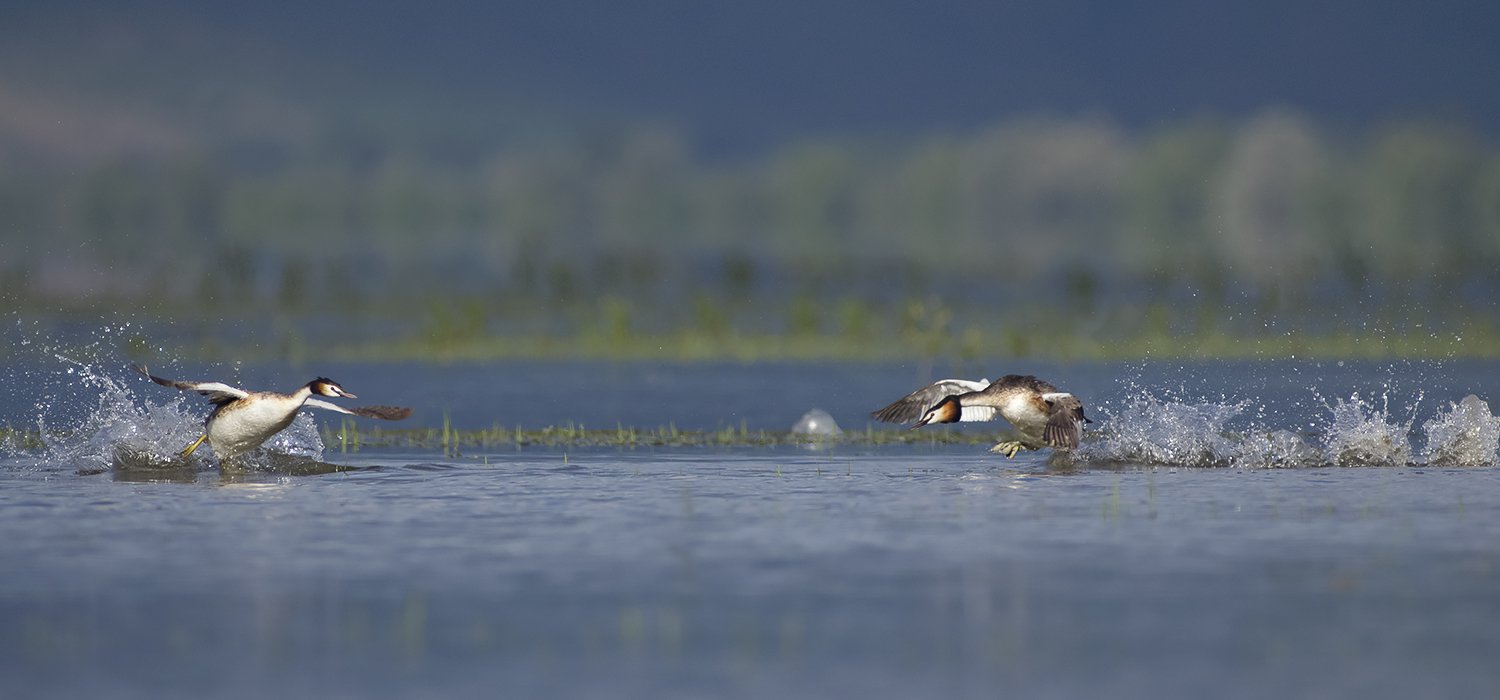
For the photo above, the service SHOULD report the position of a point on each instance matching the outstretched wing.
(911, 407)
(971, 414)
(381, 412)
(1064, 420)
(217, 392)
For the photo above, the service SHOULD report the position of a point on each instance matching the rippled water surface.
(1169, 558)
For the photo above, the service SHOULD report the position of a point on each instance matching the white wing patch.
(1054, 396)
(319, 403)
(381, 412)
(971, 414)
(217, 392)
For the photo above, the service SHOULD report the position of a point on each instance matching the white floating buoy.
(817, 422)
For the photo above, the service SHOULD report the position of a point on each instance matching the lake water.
(1166, 560)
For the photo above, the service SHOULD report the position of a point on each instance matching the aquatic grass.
(1151, 492)
(450, 437)
(1112, 507)
(22, 439)
(452, 442)
(348, 436)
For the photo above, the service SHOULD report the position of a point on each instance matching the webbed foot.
(1009, 448)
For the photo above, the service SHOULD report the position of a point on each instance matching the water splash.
(117, 429)
(1277, 449)
(300, 439)
(1359, 432)
(89, 417)
(1466, 435)
(1363, 435)
(1155, 432)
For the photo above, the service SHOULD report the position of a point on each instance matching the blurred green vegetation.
(1044, 236)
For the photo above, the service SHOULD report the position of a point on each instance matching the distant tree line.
(1273, 202)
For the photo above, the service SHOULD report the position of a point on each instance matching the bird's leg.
(1009, 448)
(187, 451)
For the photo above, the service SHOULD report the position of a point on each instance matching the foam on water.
(1277, 449)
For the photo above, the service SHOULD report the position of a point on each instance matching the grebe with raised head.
(242, 420)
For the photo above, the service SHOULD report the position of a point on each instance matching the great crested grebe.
(242, 420)
(1044, 416)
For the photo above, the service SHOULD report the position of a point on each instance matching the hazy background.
(1024, 177)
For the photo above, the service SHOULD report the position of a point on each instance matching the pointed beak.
(347, 395)
(918, 424)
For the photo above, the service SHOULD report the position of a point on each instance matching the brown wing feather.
(217, 393)
(1064, 423)
(382, 412)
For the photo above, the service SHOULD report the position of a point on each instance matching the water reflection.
(877, 571)
(132, 466)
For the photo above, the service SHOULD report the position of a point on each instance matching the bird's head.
(945, 411)
(324, 386)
